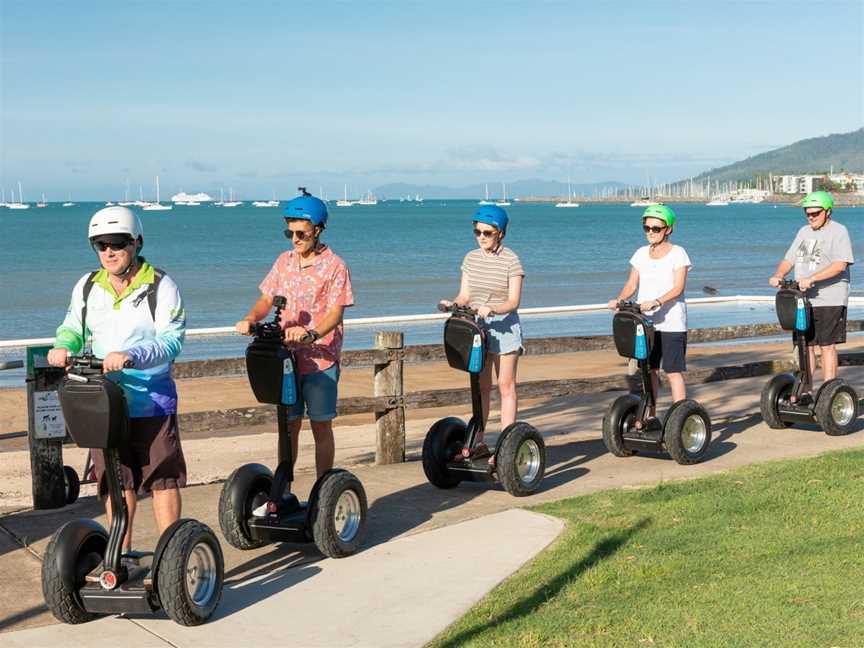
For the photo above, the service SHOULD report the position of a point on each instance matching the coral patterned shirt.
(310, 293)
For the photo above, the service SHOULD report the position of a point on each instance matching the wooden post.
(389, 392)
(45, 431)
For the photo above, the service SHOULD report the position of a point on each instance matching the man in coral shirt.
(317, 286)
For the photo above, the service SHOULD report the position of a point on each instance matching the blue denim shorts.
(318, 395)
(503, 334)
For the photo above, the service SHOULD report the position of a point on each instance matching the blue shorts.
(503, 334)
(318, 395)
(670, 350)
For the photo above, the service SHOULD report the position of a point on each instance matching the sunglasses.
(489, 233)
(300, 235)
(654, 229)
(115, 244)
(813, 214)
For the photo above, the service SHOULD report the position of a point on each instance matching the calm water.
(404, 257)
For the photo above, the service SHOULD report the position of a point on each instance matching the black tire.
(836, 408)
(621, 409)
(190, 574)
(521, 459)
(443, 441)
(687, 432)
(338, 514)
(72, 484)
(779, 387)
(245, 489)
(78, 546)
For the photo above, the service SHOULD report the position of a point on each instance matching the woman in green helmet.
(821, 255)
(658, 276)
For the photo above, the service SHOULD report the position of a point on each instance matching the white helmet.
(115, 220)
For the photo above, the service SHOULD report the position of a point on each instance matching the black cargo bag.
(461, 336)
(786, 303)
(624, 330)
(96, 412)
(272, 372)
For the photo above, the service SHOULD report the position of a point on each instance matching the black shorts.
(827, 326)
(670, 347)
(152, 461)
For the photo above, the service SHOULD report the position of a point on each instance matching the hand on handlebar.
(445, 306)
(297, 334)
(612, 304)
(58, 357)
(243, 327)
(774, 281)
(805, 283)
(115, 361)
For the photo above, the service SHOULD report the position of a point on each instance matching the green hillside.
(845, 151)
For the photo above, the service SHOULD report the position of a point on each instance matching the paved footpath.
(417, 536)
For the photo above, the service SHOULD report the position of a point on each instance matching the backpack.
(150, 294)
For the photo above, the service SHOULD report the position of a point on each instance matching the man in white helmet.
(133, 313)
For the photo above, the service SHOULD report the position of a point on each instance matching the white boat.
(20, 204)
(231, 202)
(368, 200)
(195, 199)
(717, 202)
(644, 201)
(157, 206)
(486, 200)
(126, 202)
(42, 203)
(344, 202)
(221, 200)
(503, 202)
(569, 202)
(68, 204)
(265, 203)
(417, 198)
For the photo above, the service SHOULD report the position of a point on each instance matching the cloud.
(487, 159)
(203, 167)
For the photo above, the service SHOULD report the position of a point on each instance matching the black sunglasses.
(654, 229)
(115, 244)
(489, 233)
(813, 214)
(300, 235)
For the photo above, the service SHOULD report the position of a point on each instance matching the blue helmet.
(307, 208)
(492, 215)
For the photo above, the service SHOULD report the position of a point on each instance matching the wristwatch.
(315, 334)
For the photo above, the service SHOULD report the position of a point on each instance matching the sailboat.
(126, 202)
(486, 200)
(141, 202)
(20, 204)
(157, 206)
(2, 197)
(69, 202)
(503, 202)
(231, 202)
(221, 198)
(267, 203)
(368, 200)
(344, 202)
(569, 202)
(42, 203)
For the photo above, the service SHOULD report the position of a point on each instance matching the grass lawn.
(768, 555)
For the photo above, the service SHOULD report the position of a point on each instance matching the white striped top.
(488, 275)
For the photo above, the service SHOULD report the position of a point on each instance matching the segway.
(685, 433)
(520, 453)
(257, 507)
(835, 407)
(84, 572)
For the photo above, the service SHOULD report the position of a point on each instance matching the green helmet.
(662, 212)
(820, 199)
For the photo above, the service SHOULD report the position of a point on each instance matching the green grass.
(768, 555)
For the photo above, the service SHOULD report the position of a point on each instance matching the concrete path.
(401, 593)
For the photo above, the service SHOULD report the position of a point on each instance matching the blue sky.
(263, 96)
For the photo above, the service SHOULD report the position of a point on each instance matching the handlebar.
(87, 363)
(457, 309)
(629, 307)
(789, 284)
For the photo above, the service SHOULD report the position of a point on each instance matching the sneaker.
(261, 511)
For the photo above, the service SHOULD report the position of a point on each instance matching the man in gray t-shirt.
(821, 255)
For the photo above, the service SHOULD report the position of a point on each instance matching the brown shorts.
(152, 461)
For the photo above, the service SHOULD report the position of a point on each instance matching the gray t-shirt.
(814, 250)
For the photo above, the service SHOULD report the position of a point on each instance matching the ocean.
(403, 257)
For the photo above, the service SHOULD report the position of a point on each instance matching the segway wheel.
(620, 415)
(339, 514)
(190, 574)
(775, 390)
(74, 550)
(521, 459)
(71, 483)
(443, 441)
(687, 432)
(837, 408)
(247, 488)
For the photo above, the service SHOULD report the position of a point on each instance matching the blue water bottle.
(800, 316)
(641, 351)
(289, 384)
(475, 360)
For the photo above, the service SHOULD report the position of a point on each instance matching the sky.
(264, 96)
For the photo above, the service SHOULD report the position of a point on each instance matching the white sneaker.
(261, 511)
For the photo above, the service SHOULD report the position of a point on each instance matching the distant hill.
(843, 151)
(530, 187)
